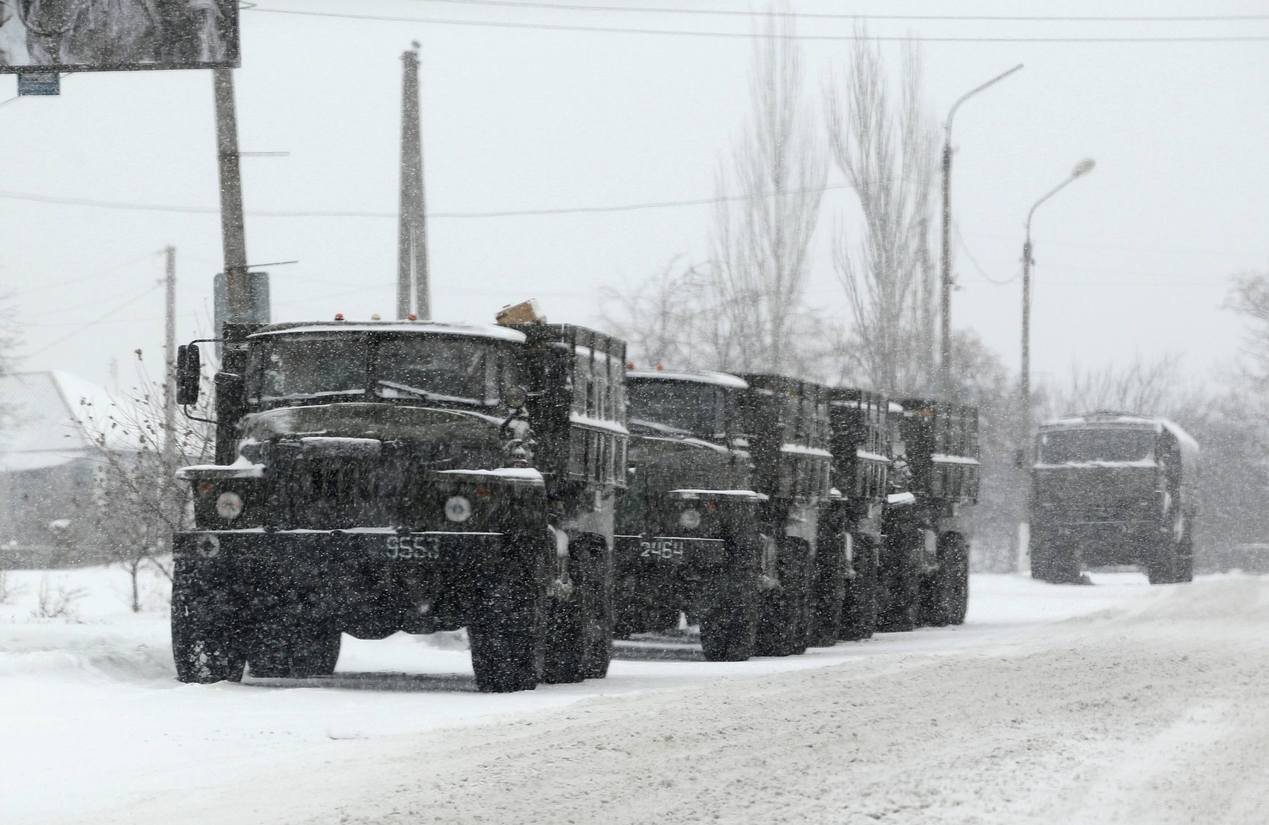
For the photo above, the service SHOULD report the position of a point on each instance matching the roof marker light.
(374, 316)
(630, 365)
(339, 316)
(411, 317)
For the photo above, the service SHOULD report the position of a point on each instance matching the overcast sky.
(1134, 259)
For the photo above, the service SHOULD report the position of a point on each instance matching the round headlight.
(229, 505)
(689, 518)
(457, 508)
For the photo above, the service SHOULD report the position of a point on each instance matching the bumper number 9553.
(421, 548)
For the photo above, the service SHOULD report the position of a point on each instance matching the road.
(1117, 703)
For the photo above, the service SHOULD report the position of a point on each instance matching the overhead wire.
(969, 254)
(980, 18)
(105, 316)
(133, 206)
(909, 38)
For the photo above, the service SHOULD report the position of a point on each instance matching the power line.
(506, 24)
(982, 273)
(92, 203)
(98, 320)
(979, 18)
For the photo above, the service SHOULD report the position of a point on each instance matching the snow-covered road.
(1119, 703)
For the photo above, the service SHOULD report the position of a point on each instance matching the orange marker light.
(339, 316)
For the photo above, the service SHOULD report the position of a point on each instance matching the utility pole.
(412, 268)
(946, 385)
(169, 360)
(232, 225)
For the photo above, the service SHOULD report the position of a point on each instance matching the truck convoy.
(376, 477)
(385, 476)
(1113, 488)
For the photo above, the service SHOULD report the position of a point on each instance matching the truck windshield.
(436, 368)
(282, 367)
(1101, 444)
(681, 405)
(420, 367)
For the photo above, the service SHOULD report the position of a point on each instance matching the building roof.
(53, 417)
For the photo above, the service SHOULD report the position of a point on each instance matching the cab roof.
(490, 331)
(1125, 420)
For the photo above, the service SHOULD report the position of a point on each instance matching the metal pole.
(233, 231)
(945, 310)
(1025, 381)
(169, 357)
(412, 259)
(946, 387)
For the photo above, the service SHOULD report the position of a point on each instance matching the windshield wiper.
(413, 392)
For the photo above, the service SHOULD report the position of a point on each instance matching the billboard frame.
(233, 29)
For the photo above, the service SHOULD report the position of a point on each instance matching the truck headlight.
(457, 508)
(690, 518)
(229, 505)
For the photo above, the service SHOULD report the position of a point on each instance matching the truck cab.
(373, 477)
(1113, 488)
(687, 535)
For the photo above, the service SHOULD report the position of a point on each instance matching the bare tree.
(139, 503)
(761, 244)
(1147, 386)
(888, 154)
(659, 317)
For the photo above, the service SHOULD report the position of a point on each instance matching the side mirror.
(189, 374)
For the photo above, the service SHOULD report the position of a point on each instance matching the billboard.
(117, 35)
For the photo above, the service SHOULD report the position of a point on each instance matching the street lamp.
(1082, 168)
(945, 356)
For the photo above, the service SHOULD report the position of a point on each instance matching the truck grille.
(338, 493)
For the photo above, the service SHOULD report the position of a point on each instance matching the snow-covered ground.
(1114, 703)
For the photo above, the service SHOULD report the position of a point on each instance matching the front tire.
(828, 590)
(207, 638)
(900, 590)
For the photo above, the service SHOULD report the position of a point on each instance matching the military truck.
(787, 422)
(1113, 488)
(384, 476)
(845, 595)
(928, 519)
(687, 526)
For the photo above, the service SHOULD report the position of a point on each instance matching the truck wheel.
(958, 580)
(729, 618)
(900, 589)
(1040, 561)
(1185, 560)
(784, 611)
(507, 627)
(597, 610)
(207, 641)
(1161, 563)
(828, 590)
(579, 623)
(859, 608)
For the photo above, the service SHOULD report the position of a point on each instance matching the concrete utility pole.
(412, 268)
(169, 360)
(233, 230)
(945, 360)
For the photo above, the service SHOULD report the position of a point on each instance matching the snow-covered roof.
(720, 379)
(423, 327)
(1128, 421)
(54, 417)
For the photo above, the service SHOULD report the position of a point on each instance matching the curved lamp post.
(1082, 168)
(945, 355)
